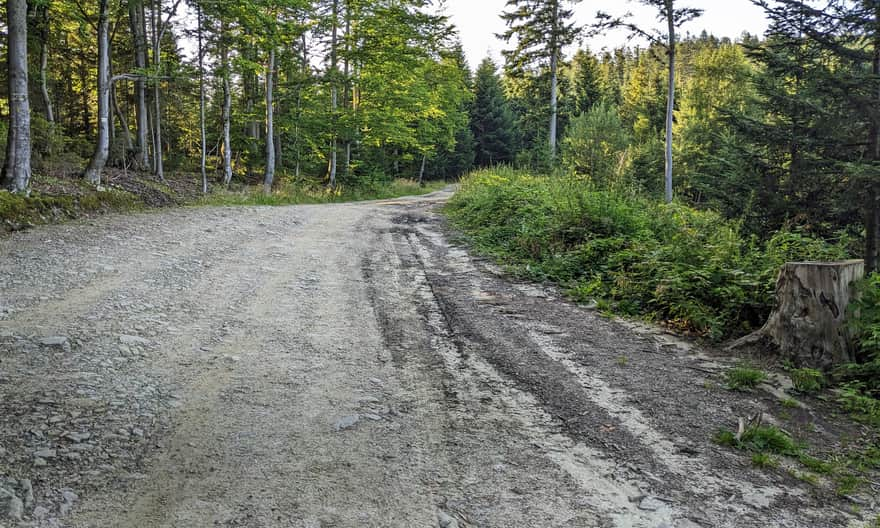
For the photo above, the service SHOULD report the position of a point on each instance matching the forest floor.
(349, 365)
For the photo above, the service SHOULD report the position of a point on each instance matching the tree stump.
(808, 325)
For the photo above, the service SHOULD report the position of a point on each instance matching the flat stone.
(45, 453)
(126, 339)
(444, 520)
(347, 422)
(371, 416)
(15, 509)
(69, 496)
(40, 513)
(56, 342)
(651, 504)
(40, 462)
(27, 492)
(78, 437)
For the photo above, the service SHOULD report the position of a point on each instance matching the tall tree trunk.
(670, 99)
(84, 99)
(102, 146)
(137, 21)
(554, 83)
(305, 75)
(17, 167)
(346, 94)
(227, 125)
(227, 109)
(123, 123)
(553, 104)
(157, 92)
(202, 135)
(422, 170)
(872, 198)
(334, 93)
(269, 176)
(44, 64)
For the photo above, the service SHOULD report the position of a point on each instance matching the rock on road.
(347, 366)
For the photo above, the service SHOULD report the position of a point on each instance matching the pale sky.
(478, 22)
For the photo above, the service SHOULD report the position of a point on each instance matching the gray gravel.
(341, 366)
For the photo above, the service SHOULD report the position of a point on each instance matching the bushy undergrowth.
(865, 317)
(691, 269)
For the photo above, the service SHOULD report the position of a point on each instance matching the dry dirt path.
(345, 366)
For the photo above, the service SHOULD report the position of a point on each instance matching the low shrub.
(688, 268)
(761, 439)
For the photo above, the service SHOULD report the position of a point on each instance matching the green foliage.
(860, 393)
(492, 121)
(744, 378)
(595, 146)
(761, 439)
(856, 401)
(816, 465)
(865, 318)
(17, 210)
(764, 460)
(688, 268)
(807, 380)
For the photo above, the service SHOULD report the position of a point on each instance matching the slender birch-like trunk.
(269, 176)
(102, 147)
(17, 167)
(670, 99)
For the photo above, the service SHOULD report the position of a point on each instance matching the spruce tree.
(492, 121)
(541, 29)
(586, 88)
(845, 34)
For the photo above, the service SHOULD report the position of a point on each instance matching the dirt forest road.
(346, 366)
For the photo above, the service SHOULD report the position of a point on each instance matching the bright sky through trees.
(478, 21)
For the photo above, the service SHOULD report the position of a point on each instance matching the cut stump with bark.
(808, 325)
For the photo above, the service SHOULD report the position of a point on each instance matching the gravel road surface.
(348, 366)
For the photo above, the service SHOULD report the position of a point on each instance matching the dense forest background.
(771, 130)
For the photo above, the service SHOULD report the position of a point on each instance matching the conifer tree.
(492, 122)
(541, 29)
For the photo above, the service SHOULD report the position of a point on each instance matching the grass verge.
(19, 212)
(310, 193)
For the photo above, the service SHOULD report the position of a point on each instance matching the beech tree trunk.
(334, 94)
(808, 325)
(102, 146)
(137, 22)
(227, 110)
(17, 167)
(44, 63)
(202, 134)
(269, 176)
(157, 93)
(123, 123)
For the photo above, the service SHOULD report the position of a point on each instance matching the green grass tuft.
(744, 378)
(807, 380)
(764, 460)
